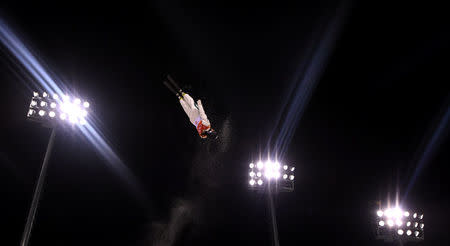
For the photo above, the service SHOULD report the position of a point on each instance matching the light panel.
(395, 222)
(269, 170)
(48, 107)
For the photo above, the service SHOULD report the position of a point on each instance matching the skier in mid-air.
(207, 171)
(194, 111)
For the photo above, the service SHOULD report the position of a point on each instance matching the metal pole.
(273, 218)
(400, 242)
(37, 192)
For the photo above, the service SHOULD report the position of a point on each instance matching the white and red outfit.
(196, 114)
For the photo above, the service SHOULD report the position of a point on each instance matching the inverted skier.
(194, 111)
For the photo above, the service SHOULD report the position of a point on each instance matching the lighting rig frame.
(51, 110)
(396, 224)
(281, 177)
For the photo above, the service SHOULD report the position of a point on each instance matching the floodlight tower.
(51, 111)
(395, 224)
(273, 177)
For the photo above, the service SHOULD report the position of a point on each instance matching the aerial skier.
(194, 111)
(191, 212)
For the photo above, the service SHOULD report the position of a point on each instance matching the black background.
(382, 93)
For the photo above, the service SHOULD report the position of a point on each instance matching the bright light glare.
(259, 165)
(421, 216)
(51, 114)
(381, 223)
(77, 100)
(55, 96)
(252, 174)
(44, 94)
(41, 112)
(272, 170)
(53, 105)
(74, 112)
(292, 169)
(30, 112)
(252, 182)
(421, 226)
(380, 213)
(63, 116)
(416, 224)
(408, 232)
(269, 173)
(72, 119)
(416, 233)
(415, 215)
(277, 175)
(251, 165)
(406, 214)
(400, 232)
(390, 223)
(33, 103)
(285, 167)
(388, 213)
(277, 165)
(43, 104)
(35, 94)
(258, 174)
(285, 176)
(397, 213)
(408, 224)
(260, 182)
(291, 177)
(398, 222)
(86, 104)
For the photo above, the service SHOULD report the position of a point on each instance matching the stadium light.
(271, 176)
(400, 225)
(51, 112)
(41, 108)
(271, 171)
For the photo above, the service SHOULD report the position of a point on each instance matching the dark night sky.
(382, 92)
